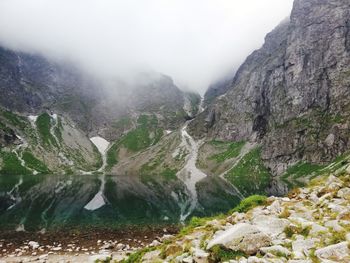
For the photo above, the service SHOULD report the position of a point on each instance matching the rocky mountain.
(31, 84)
(292, 95)
(63, 131)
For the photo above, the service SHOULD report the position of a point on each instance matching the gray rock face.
(216, 89)
(243, 237)
(293, 94)
(7, 136)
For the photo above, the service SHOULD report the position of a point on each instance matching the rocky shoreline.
(79, 245)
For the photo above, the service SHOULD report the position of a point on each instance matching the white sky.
(193, 41)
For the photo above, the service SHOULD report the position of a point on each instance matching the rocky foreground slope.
(311, 224)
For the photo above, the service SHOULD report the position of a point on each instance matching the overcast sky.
(193, 41)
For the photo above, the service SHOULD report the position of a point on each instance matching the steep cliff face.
(30, 82)
(292, 95)
(216, 89)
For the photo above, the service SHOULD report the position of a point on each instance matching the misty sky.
(193, 41)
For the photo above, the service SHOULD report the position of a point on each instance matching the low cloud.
(193, 41)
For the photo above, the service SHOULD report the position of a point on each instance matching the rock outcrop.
(292, 95)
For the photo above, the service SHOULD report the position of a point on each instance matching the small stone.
(337, 252)
(200, 256)
(275, 250)
(316, 228)
(275, 207)
(172, 249)
(344, 193)
(42, 257)
(151, 256)
(33, 244)
(188, 260)
(334, 224)
(329, 141)
(302, 247)
(120, 246)
(242, 236)
(155, 243)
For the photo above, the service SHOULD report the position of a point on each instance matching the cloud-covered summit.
(195, 42)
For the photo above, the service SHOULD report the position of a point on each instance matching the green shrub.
(107, 260)
(249, 203)
(298, 230)
(193, 223)
(137, 256)
(221, 254)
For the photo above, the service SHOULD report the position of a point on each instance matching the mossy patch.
(43, 124)
(232, 151)
(250, 175)
(300, 170)
(137, 256)
(249, 203)
(221, 254)
(34, 163)
(141, 138)
(11, 165)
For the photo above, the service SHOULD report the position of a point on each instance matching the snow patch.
(85, 173)
(97, 202)
(33, 118)
(190, 174)
(100, 143)
(99, 199)
(54, 116)
(20, 228)
(168, 132)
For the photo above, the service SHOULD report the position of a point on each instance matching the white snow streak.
(99, 200)
(190, 174)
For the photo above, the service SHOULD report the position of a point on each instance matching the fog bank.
(193, 41)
